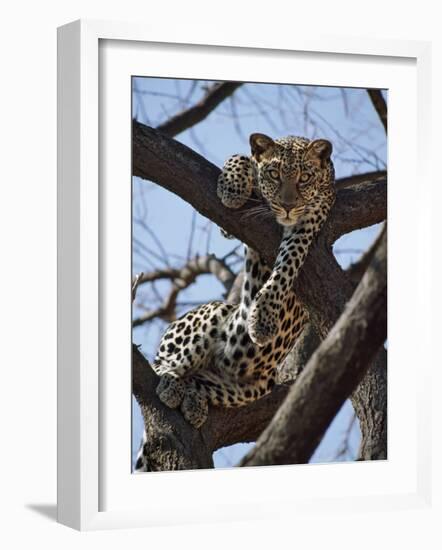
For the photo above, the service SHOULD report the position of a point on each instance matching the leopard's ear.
(260, 143)
(319, 151)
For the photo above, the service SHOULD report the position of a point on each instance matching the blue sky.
(164, 222)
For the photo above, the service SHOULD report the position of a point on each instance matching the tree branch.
(187, 174)
(335, 370)
(189, 117)
(380, 106)
(183, 278)
(200, 265)
(357, 269)
(135, 284)
(360, 178)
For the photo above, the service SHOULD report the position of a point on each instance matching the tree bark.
(370, 404)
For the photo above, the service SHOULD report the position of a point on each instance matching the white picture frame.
(81, 392)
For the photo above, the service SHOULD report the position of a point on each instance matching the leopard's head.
(293, 175)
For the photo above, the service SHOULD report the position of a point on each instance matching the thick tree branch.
(187, 174)
(334, 370)
(357, 207)
(370, 399)
(380, 106)
(360, 178)
(357, 269)
(189, 117)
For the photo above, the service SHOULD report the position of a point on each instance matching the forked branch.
(181, 279)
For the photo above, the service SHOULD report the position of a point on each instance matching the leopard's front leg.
(266, 309)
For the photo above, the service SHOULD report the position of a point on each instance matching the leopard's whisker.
(255, 211)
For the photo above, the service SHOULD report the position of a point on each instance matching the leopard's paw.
(235, 182)
(195, 408)
(171, 391)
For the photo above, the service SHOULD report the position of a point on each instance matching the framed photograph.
(223, 298)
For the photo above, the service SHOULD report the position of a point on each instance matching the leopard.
(227, 355)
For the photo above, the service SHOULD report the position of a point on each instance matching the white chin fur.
(285, 222)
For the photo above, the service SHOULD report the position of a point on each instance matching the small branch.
(189, 117)
(380, 106)
(331, 375)
(200, 265)
(344, 447)
(183, 278)
(135, 284)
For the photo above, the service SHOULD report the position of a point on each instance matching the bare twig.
(181, 279)
(189, 117)
(344, 448)
(135, 284)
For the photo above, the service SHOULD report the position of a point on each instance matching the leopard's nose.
(287, 206)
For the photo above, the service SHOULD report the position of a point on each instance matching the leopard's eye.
(274, 174)
(304, 178)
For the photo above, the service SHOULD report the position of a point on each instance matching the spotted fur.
(227, 355)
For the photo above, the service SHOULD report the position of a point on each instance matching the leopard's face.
(292, 174)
